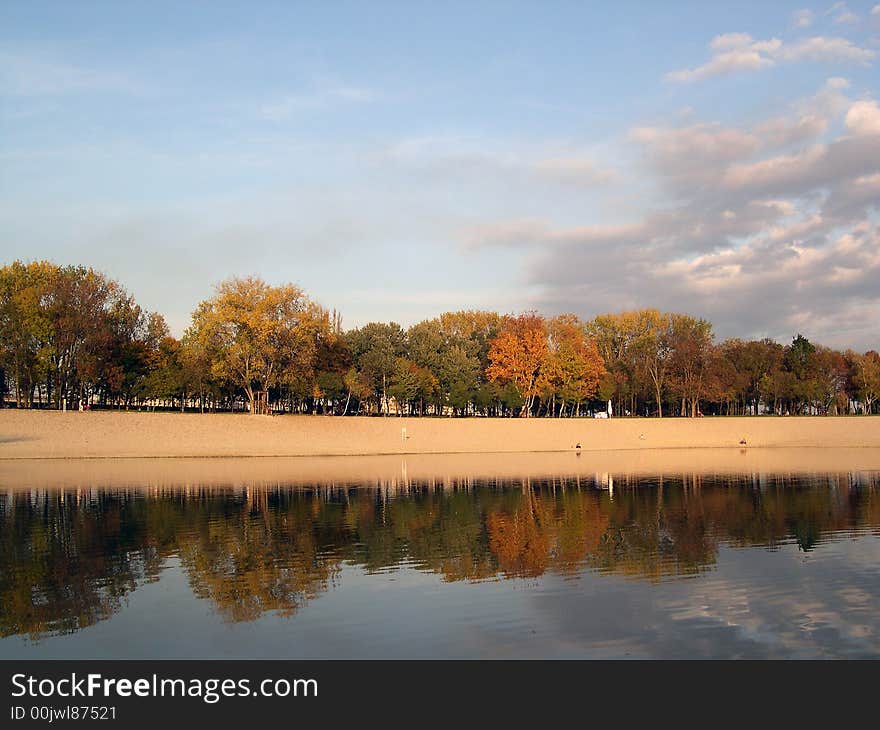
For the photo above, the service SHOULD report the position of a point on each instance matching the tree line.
(70, 337)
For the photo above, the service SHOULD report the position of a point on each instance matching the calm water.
(757, 565)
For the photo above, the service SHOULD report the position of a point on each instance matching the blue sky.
(398, 160)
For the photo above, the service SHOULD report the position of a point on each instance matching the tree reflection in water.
(68, 559)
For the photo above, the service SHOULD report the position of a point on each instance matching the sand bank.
(54, 435)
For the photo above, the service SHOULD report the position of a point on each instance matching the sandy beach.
(57, 435)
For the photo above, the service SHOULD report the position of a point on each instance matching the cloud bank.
(767, 230)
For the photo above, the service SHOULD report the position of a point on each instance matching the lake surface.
(693, 566)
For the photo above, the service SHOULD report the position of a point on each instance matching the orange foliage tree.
(517, 355)
(574, 366)
(552, 359)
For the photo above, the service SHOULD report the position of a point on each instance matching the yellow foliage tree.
(255, 332)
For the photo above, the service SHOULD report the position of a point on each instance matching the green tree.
(375, 348)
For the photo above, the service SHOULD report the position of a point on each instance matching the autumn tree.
(653, 345)
(256, 333)
(636, 349)
(867, 378)
(574, 365)
(829, 377)
(691, 360)
(69, 332)
(358, 386)
(612, 335)
(324, 383)
(517, 355)
(25, 328)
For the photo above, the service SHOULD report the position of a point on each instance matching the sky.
(398, 160)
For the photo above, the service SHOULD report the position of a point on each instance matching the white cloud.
(706, 143)
(707, 153)
(694, 154)
(733, 52)
(782, 131)
(875, 11)
(737, 52)
(826, 49)
(802, 18)
(733, 41)
(774, 171)
(863, 117)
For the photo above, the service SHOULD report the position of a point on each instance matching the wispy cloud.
(27, 74)
(578, 171)
(737, 52)
(846, 17)
(802, 18)
(323, 95)
(484, 160)
(842, 14)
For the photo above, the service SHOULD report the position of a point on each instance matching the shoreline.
(394, 471)
(54, 435)
(360, 455)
